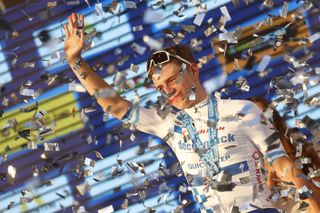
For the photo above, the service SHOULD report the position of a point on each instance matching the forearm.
(287, 171)
(93, 83)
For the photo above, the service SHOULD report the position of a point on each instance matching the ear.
(194, 69)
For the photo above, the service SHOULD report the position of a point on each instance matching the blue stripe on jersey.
(127, 117)
(198, 196)
(203, 198)
(274, 155)
(236, 168)
(209, 211)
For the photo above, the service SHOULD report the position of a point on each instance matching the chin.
(180, 105)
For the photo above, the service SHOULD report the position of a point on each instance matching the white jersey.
(243, 140)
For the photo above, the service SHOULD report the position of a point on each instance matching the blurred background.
(59, 151)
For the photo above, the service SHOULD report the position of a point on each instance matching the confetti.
(134, 68)
(198, 19)
(153, 16)
(52, 4)
(188, 28)
(30, 18)
(284, 10)
(152, 43)
(225, 13)
(89, 162)
(210, 30)
(51, 146)
(242, 84)
(72, 2)
(76, 87)
(83, 188)
(314, 37)
(303, 206)
(108, 209)
(27, 196)
(11, 174)
(138, 48)
(116, 171)
(180, 10)
(137, 28)
(28, 65)
(263, 63)
(130, 4)
(11, 204)
(192, 94)
(235, 3)
(98, 9)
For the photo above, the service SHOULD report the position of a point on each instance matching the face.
(176, 85)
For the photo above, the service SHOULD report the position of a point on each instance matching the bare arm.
(285, 168)
(74, 44)
(270, 145)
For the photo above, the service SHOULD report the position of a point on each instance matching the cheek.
(187, 83)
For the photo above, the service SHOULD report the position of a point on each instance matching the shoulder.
(234, 106)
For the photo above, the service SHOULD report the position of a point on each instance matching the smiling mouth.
(174, 98)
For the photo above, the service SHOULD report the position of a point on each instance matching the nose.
(166, 89)
(169, 91)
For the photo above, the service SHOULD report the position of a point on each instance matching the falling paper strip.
(83, 188)
(138, 48)
(284, 10)
(134, 68)
(130, 4)
(137, 28)
(314, 37)
(199, 18)
(11, 174)
(152, 43)
(51, 146)
(27, 92)
(99, 9)
(264, 63)
(225, 12)
(108, 209)
(76, 87)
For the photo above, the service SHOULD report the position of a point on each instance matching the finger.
(74, 21)
(82, 34)
(70, 24)
(66, 29)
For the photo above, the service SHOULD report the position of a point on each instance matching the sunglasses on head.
(161, 57)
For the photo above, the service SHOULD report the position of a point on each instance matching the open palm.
(74, 42)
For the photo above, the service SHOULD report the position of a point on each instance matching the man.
(217, 142)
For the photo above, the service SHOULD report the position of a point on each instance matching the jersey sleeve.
(147, 120)
(261, 132)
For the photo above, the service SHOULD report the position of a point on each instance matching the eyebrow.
(174, 75)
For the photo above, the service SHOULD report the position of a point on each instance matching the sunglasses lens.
(160, 57)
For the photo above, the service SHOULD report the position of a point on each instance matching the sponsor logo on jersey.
(203, 131)
(257, 163)
(202, 165)
(223, 139)
(196, 165)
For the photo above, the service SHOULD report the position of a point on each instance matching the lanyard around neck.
(209, 154)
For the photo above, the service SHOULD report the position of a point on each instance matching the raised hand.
(74, 42)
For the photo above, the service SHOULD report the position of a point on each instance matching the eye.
(159, 89)
(172, 79)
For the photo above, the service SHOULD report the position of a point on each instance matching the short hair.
(181, 50)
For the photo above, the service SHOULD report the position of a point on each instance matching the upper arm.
(147, 120)
(261, 132)
(281, 164)
(118, 105)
